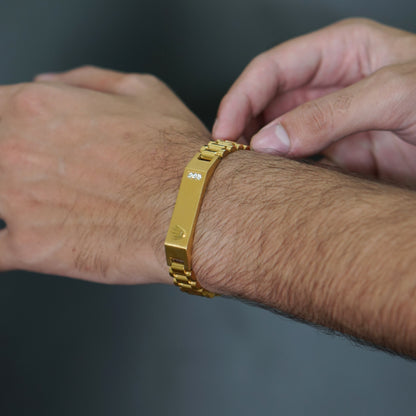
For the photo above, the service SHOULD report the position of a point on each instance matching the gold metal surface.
(179, 240)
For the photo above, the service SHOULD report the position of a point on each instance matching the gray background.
(74, 348)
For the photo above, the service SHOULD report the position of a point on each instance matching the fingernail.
(272, 139)
(49, 76)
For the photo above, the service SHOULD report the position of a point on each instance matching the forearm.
(328, 248)
(325, 247)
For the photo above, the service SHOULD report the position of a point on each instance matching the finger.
(292, 99)
(105, 80)
(380, 154)
(320, 59)
(355, 153)
(363, 106)
(86, 77)
(252, 127)
(280, 105)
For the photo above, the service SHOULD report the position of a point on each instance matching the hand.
(89, 178)
(346, 91)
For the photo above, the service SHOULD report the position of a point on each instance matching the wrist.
(180, 237)
(223, 244)
(166, 167)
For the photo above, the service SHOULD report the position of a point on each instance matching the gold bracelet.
(179, 240)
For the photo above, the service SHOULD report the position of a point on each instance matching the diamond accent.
(197, 176)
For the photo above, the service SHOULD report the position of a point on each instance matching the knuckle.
(398, 84)
(150, 79)
(128, 83)
(85, 68)
(262, 65)
(136, 82)
(356, 22)
(358, 28)
(81, 70)
(258, 60)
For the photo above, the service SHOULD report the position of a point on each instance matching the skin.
(89, 175)
(346, 91)
(91, 162)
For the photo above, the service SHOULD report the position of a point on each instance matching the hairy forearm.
(325, 247)
(311, 242)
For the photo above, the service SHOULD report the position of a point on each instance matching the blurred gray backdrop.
(74, 348)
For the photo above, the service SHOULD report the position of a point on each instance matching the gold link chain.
(178, 244)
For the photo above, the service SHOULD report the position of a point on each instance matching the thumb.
(382, 101)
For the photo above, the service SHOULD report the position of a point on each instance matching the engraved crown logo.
(178, 232)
